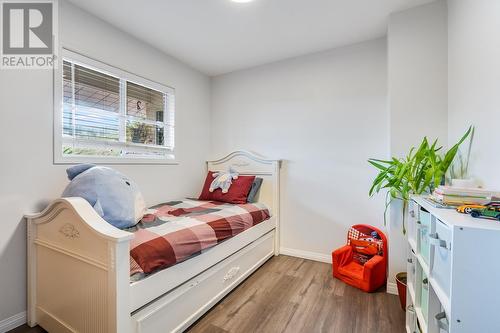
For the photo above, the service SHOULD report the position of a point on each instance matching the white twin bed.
(79, 266)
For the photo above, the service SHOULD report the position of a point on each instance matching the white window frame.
(77, 58)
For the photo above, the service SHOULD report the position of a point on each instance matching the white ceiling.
(220, 36)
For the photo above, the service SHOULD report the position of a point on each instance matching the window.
(108, 115)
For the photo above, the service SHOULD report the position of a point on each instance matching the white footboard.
(78, 270)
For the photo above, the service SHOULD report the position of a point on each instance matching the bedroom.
(307, 90)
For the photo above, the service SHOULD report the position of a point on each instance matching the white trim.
(111, 160)
(392, 288)
(122, 110)
(124, 76)
(326, 258)
(10, 323)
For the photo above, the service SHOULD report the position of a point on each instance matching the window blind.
(105, 115)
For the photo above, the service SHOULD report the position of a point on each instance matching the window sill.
(60, 160)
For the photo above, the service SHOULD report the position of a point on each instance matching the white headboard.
(247, 163)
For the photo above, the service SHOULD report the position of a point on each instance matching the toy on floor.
(113, 195)
(362, 263)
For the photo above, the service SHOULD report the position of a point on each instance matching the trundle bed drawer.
(189, 301)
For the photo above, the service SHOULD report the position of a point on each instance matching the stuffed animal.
(114, 197)
(223, 180)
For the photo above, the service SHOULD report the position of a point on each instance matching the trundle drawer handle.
(442, 321)
(231, 273)
(436, 241)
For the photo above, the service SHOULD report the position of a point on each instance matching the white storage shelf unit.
(453, 271)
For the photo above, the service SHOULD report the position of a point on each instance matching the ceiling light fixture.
(241, 1)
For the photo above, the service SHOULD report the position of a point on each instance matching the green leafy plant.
(138, 132)
(422, 170)
(460, 167)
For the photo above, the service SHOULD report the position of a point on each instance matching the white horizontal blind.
(105, 115)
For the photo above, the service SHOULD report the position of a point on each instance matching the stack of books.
(456, 196)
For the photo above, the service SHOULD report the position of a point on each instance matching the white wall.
(417, 62)
(325, 114)
(28, 177)
(474, 82)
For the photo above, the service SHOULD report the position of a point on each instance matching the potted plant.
(422, 170)
(138, 132)
(459, 169)
(401, 282)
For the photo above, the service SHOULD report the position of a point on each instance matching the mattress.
(175, 231)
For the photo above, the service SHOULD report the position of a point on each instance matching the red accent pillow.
(237, 193)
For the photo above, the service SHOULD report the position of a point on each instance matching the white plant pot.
(464, 183)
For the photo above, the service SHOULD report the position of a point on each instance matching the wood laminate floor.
(296, 295)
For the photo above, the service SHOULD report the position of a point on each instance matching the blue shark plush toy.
(114, 197)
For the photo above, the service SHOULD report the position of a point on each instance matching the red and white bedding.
(175, 231)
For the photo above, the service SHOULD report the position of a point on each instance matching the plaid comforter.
(175, 231)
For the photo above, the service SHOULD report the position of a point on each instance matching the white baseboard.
(306, 255)
(392, 288)
(12, 322)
